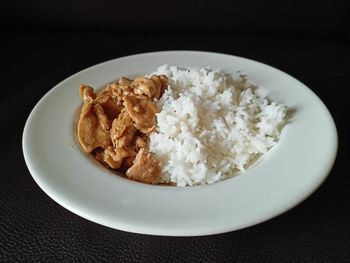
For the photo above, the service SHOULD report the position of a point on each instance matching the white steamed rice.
(211, 125)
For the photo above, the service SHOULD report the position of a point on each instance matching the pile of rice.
(211, 125)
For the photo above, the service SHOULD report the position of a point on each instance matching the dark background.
(43, 42)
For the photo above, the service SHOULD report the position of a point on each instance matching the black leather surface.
(326, 18)
(33, 228)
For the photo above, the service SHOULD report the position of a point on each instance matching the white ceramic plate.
(287, 175)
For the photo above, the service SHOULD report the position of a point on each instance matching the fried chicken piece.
(161, 83)
(145, 86)
(145, 169)
(118, 89)
(112, 104)
(128, 162)
(120, 124)
(87, 93)
(125, 151)
(141, 142)
(164, 84)
(101, 116)
(123, 135)
(112, 159)
(152, 87)
(98, 154)
(124, 81)
(142, 112)
(90, 133)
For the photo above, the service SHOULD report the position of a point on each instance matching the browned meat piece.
(90, 133)
(145, 86)
(112, 105)
(164, 84)
(145, 168)
(161, 83)
(87, 93)
(101, 116)
(152, 87)
(99, 154)
(110, 90)
(128, 162)
(158, 82)
(142, 112)
(122, 135)
(120, 125)
(112, 159)
(124, 81)
(118, 90)
(125, 151)
(141, 142)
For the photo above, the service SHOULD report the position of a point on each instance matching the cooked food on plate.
(179, 126)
